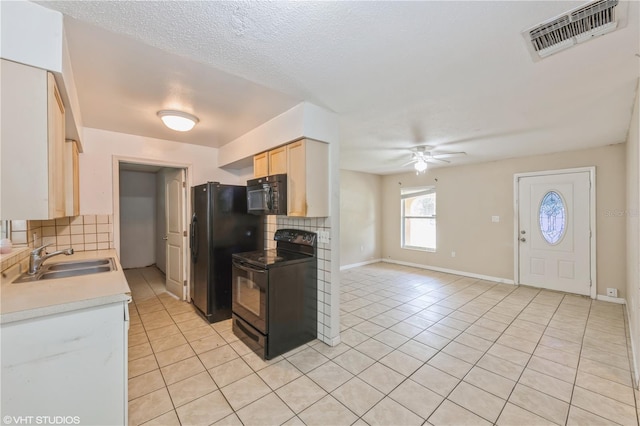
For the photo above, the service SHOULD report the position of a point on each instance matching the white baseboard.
(634, 353)
(617, 300)
(451, 271)
(355, 265)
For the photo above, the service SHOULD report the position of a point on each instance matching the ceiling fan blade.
(447, 154)
(407, 163)
(436, 160)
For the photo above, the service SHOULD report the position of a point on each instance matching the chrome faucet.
(37, 257)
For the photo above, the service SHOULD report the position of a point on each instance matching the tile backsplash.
(82, 233)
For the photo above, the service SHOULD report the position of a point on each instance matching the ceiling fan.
(422, 155)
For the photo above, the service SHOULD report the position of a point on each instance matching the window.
(418, 207)
(553, 219)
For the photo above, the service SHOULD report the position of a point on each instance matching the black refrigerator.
(220, 226)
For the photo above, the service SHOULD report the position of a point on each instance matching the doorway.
(150, 206)
(555, 230)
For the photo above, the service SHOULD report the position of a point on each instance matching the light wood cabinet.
(308, 178)
(261, 165)
(33, 144)
(72, 178)
(278, 161)
(306, 163)
(272, 162)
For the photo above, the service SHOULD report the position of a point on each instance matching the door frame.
(592, 220)
(188, 169)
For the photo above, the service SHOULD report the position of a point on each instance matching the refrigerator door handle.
(194, 238)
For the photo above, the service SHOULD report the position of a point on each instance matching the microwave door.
(255, 200)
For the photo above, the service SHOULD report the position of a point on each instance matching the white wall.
(360, 217)
(137, 219)
(100, 146)
(467, 197)
(632, 215)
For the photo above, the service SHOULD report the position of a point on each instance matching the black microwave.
(267, 195)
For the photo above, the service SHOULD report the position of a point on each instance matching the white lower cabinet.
(68, 364)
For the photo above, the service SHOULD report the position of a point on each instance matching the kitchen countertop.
(47, 297)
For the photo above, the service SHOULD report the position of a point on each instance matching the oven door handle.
(243, 266)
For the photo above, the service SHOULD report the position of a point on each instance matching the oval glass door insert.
(552, 217)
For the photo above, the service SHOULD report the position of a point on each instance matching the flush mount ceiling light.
(178, 120)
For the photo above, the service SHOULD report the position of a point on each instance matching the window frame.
(413, 192)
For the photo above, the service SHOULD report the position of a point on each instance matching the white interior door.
(554, 219)
(175, 239)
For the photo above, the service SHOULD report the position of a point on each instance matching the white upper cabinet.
(32, 144)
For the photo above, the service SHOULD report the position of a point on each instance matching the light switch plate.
(323, 237)
(495, 219)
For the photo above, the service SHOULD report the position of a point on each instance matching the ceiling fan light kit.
(421, 156)
(178, 120)
(420, 166)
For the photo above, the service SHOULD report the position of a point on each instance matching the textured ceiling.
(455, 75)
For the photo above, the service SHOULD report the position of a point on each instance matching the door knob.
(165, 238)
(523, 239)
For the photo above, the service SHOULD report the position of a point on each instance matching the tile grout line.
(450, 340)
(494, 302)
(529, 360)
(166, 386)
(476, 363)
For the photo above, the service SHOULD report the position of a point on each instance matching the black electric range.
(275, 293)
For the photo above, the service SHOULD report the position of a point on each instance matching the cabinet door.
(296, 179)
(56, 147)
(24, 160)
(32, 144)
(278, 161)
(76, 180)
(58, 364)
(260, 165)
(72, 178)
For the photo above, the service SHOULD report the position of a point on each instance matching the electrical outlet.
(612, 292)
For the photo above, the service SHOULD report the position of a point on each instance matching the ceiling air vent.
(576, 26)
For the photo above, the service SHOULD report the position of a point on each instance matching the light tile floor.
(418, 347)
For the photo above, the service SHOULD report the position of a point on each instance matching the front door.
(174, 198)
(554, 231)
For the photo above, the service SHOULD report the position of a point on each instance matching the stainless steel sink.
(63, 266)
(74, 272)
(69, 269)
